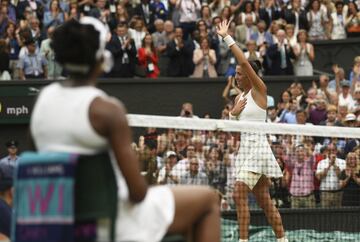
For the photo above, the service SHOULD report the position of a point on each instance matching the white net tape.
(136, 120)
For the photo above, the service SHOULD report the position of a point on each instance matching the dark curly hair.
(76, 44)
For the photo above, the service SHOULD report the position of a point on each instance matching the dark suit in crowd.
(124, 59)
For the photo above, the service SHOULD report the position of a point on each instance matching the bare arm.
(108, 117)
(256, 81)
(311, 53)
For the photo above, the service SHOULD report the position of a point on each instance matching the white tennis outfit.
(255, 157)
(60, 123)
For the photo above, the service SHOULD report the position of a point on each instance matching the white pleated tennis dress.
(60, 123)
(255, 157)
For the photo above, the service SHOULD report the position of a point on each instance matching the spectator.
(318, 21)
(54, 69)
(323, 89)
(334, 85)
(74, 13)
(355, 74)
(32, 65)
(273, 29)
(100, 11)
(159, 30)
(4, 61)
(269, 12)
(128, 5)
(188, 15)
(272, 115)
(318, 114)
(304, 55)
(280, 55)
(120, 16)
(34, 29)
(123, 49)
(216, 169)
(166, 175)
(194, 176)
(328, 172)
(356, 105)
(226, 13)
(262, 37)
(283, 103)
(6, 199)
(160, 10)
(147, 13)
(331, 120)
(248, 11)
(138, 32)
(350, 120)
(298, 93)
(350, 181)
(4, 20)
(352, 20)
(302, 181)
(183, 165)
(180, 52)
(296, 15)
(217, 6)
(11, 10)
(166, 36)
(12, 158)
(148, 58)
(288, 115)
(187, 111)
(54, 16)
(149, 161)
(311, 97)
(251, 54)
(291, 37)
(301, 116)
(205, 15)
(337, 22)
(12, 39)
(244, 32)
(345, 97)
(204, 59)
(342, 112)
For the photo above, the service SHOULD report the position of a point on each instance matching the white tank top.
(251, 112)
(65, 111)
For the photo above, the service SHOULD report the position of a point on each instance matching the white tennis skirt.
(147, 221)
(255, 155)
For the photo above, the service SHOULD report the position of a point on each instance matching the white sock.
(243, 240)
(283, 239)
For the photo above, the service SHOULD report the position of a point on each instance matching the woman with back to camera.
(145, 214)
(255, 162)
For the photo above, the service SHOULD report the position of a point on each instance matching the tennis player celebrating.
(75, 116)
(255, 162)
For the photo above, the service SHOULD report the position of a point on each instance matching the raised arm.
(257, 83)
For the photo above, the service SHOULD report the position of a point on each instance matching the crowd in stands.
(176, 37)
(317, 172)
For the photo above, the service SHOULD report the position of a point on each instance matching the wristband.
(232, 117)
(229, 40)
